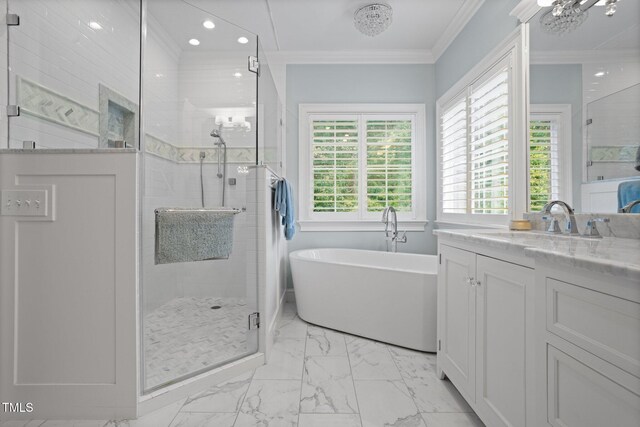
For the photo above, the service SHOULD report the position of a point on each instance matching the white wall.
(55, 47)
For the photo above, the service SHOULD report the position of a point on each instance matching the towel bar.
(235, 211)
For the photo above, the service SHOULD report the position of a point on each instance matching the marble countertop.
(609, 255)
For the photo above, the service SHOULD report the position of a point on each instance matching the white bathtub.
(389, 297)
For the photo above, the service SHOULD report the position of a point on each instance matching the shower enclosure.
(126, 107)
(200, 124)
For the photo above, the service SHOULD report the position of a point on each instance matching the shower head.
(216, 133)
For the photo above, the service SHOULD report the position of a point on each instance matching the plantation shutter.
(544, 182)
(334, 168)
(453, 158)
(389, 176)
(489, 143)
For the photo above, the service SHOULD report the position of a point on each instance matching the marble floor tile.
(270, 403)
(371, 360)
(329, 420)
(158, 418)
(21, 423)
(292, 327)
(387, 403)
(225, 397)
(325, 342)
(199, 419)
(78, 423)
(429, 392)
(413, 364)
(452, 420)
(434, 395)
(327, 386)
(285, 362)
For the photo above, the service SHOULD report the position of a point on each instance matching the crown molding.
(459, 21)
(417, 56)
(583, 56)
(525, 10)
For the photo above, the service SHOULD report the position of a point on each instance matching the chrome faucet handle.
(591, 230)
(403, 238)
(554, 226)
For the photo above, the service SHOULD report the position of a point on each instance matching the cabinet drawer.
(602, 324)
(581, 396)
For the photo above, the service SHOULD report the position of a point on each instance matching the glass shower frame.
(251, 253)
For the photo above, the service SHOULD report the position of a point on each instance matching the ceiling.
(311, 25)
(598, 32)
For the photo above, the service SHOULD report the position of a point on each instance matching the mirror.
(585, 102)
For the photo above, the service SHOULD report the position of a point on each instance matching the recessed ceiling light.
(194, 42)
(237, 74)
(600, 74)
(158, 75)
(243, 40)
(95, 25)
(208, 24)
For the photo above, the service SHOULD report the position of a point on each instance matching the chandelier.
(566, 15)
(373, 19)
(564, 21)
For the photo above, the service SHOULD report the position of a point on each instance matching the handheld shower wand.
(222, 159)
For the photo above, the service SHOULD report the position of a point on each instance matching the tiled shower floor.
(186, 335)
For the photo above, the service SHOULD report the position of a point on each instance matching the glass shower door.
(199, 141)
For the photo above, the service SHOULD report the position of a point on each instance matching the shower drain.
(215, 307)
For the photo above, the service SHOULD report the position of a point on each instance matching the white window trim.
(413, 222)
(515, 45)
(562, 113)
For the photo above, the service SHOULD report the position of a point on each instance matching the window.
(479, 126)
(355, 160)
(549, 155)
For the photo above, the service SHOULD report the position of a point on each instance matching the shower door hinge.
(439, 258)
(13, 110)
(13, 19)
(439, 345)
(589, 121)
(589, 163)
(254, 65)
(254, 321)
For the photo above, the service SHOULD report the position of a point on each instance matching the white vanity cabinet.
(482, 324)
(587, 348)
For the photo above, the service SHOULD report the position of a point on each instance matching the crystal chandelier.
(563, 20)
(373, 19)
(567, 15)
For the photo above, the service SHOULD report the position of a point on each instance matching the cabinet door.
(500, 341)
(456, 318)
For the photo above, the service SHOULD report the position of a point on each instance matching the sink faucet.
(629, 206)
(570, 224)
(393, 237)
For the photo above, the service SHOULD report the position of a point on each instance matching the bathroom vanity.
(537, 329)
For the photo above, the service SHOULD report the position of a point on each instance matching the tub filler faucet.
(392, 235)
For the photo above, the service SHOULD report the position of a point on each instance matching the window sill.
(369, 225)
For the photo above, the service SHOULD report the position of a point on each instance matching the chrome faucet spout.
(389, 215)
(570, 219)
(629, 206)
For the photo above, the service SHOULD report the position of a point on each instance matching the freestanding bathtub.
(389, 297)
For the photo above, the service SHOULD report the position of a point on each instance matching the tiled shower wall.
(169, 184)
(55, 47)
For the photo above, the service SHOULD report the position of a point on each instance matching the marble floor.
(186, 335)
(317, 378)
